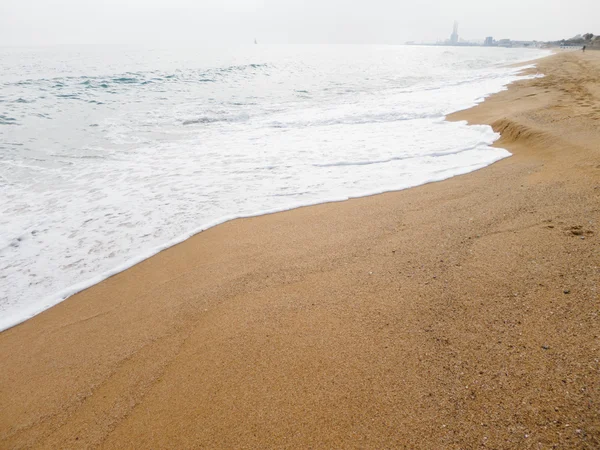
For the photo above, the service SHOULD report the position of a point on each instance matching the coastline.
(22, 309)
(354, 323)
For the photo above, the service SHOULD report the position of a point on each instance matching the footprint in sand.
(577, 230)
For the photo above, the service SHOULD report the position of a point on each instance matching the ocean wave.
(141, 181)
(125, 80)
(215, 119)
(71, 96)
(242, 68)
(74, 87)
(401, 157)
(5, 120)
(203, 120)
(355, 119)
(142, 77)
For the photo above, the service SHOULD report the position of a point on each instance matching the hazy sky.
(202, 22)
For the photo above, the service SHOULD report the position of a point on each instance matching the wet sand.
(459, 314)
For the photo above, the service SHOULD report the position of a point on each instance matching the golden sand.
(458, 314)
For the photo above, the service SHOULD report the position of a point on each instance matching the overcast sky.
(209, 22)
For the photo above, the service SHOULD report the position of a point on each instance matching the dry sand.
(459, 314)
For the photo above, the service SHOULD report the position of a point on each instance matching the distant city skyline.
(210, 22)
(454, 35)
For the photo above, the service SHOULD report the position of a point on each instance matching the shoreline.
(52, 300)
(381, 321)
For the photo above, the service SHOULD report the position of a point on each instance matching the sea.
(111, 154)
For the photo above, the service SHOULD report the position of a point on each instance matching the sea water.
(110, 154)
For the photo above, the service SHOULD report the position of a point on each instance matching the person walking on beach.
(583, 49)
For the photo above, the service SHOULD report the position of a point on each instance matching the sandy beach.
(459, 314)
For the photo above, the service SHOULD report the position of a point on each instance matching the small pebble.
(567, 291)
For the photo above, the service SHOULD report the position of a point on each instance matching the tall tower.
(454, 35)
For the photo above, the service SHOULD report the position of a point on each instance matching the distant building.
(504, 43)
(454, 35)
(489, 41)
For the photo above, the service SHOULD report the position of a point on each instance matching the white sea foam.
(107, 158)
